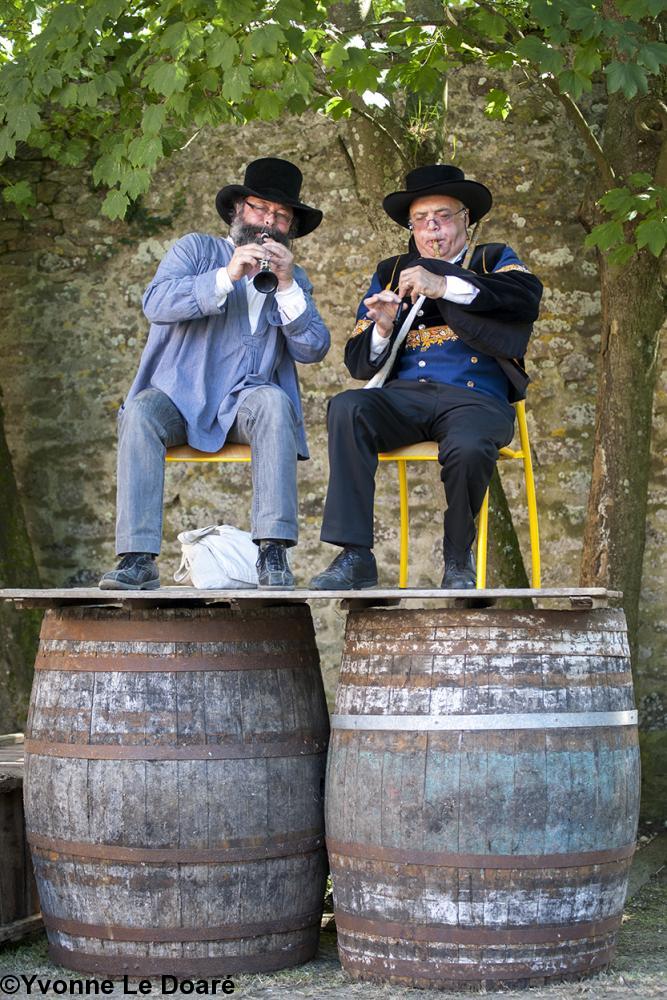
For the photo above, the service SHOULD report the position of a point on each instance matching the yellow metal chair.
(228, 453)
(427, 451)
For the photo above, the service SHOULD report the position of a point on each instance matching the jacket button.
(421, 312)
(422, 364)
(474, 360)
(422, 326)
(471, 385)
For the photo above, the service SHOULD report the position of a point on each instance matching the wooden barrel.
(19, 906)
(482, 795)
(174, 789)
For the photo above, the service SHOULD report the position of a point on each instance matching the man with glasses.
(219, 365)
(441, 334)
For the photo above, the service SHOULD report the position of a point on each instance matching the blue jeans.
(150, 423)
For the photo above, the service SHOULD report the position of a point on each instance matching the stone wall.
(70, 289)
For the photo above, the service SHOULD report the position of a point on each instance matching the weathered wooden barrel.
(174, 789)
(482, 795)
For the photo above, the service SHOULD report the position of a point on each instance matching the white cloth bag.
(218, 557)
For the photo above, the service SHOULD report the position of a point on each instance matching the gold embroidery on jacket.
(512, 267)
(423, 339)
(361, 325)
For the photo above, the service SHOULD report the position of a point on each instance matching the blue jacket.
(205, 358)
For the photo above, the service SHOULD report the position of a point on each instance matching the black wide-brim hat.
(438, 178)
(271, 179)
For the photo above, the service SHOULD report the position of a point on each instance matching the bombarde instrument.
(265, 280)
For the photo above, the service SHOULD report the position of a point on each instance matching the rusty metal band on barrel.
(295, 746)
(221, 965)
(290, 847)
(168, 935)
(444, 859)
(444, 934)
(136, 663)
(124, 629)
(525, 720)
(439, 971)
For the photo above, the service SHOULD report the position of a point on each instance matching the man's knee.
(346, 407)
(469, 451)
(270, 405)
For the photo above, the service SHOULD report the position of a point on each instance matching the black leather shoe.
(352, 569)
(273, 570)
(460, 575)
(135, 571)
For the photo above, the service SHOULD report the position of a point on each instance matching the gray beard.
(242, 233)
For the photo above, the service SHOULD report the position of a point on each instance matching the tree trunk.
(633, 314)
(19, 630)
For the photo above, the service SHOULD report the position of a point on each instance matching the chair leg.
(482, 542)
(531, 500)
(404, 527)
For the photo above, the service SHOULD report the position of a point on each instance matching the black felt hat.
(273, 180)
(438, 178)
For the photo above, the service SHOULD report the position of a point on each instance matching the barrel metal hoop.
(437, 723)
(160, 935)
(135, 663)
(293, 847)
(292, 747)
(555, 934)
(446, 859)
(221, 965)
(391, 970)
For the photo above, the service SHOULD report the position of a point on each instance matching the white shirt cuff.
(291, 302)
(378, 344)
(223, 286)
(460, 291)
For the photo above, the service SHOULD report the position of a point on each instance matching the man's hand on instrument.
(416, 281)
(281, 262)
(382, 308)
(245, 260)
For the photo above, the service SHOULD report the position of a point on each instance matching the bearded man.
(219, 365)
(446, 370)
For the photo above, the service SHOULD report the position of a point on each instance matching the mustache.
(243, 232)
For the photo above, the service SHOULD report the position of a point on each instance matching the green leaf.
(574, 83)
(152, 119)
(265, 40)
(640, 180)
(137, 182)
(21, 195)
(498, 105)
(585, 19)
(653, 55)
(236, 84)
(221, 50)
(338, 108)
(621, 255)
(174, 38)
(619, 200)
(626, 77)
(166, 78)
(605, 236)
(534, 50)
(545, 13)
(652, 233)
(501, 60)
(22, 119)
(144, 151)
(115, 204)
(336, 56)
(268, 104)
(587, 59)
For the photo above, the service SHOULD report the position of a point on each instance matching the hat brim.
(309, 218)
(475, 196)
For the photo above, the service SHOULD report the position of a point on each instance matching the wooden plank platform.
(11, 756)
(577, 597)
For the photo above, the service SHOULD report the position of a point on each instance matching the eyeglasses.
(440, 215)
(282, 218)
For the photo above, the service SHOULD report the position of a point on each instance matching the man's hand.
(416, 281)
(245, 260)
(281, 262)
(381, 308)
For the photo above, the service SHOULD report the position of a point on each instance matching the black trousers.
(469, 427)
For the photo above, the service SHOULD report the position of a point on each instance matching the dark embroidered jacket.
(497, 323)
